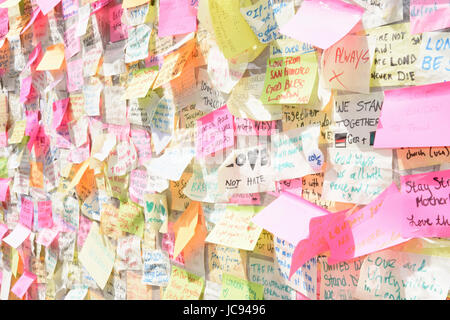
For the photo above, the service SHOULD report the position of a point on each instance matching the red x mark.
(336, 76)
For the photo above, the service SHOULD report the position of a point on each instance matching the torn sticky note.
(234, 288)
(414, 117)
(97, 256)
(183, 285)
(235, 229)
(337, 19)
(290, 79)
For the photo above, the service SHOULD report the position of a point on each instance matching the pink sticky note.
(45, 218)
(17, 236)
(47, 5)
(117, 30)
(294, 186)
(141, 140)
(42, 142)
(288, 217)
(83, 231)
(215, 131)
(46, 236)
(27, 92)
(322, 23)
(26, 213)
(246, 198)
(4, 22)
(426, 204)
(122, 132)
(22, 285)
(72, 43)
(36, 13)
(429, 15)
(75, 75)
(247, 127)
(32, 127)
(4, 188)
(415, 117)
(59, 111)
(175, 17)
(3, 230)
(374, 228)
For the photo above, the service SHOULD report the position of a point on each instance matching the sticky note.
(413, 117)
(183, 285)
(175, 17)
(53, 58)
(234, 288)
(97, 256)
(290, 79)
(427, 16)
(336, 18)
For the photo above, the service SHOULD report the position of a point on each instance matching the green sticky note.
(131, 218)
(290, 80)
(234, 288)
(3, 167)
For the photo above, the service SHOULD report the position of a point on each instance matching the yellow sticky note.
(173, 64)
(410, 158)
(76, 179)
(133, 3)
(235, 228)
(290, 79)
(396, 52)
(180, 201)
(141, 81)
(131, 218)
(234, 288)
(18, 132)
(53, 58)
(183, 285)
(97, 256)
(233, 34)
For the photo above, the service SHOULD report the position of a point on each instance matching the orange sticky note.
(173, 64)
(190, 230)
(53, 58)
(36, 175)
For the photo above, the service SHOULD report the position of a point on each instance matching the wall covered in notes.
(224, 149)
